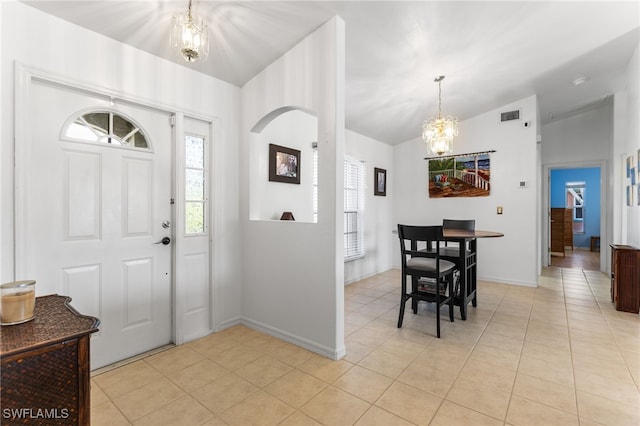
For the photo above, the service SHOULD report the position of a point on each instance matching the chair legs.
(414, 290)
(451, 295)
(403, 300)
(414, 300)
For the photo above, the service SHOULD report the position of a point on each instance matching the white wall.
(293, 272)
(512, 258)
(64, 49)
(293, 129)
(580, 140)
(378, 217)
(627, 219)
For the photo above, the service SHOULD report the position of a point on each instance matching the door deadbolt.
(166, 224)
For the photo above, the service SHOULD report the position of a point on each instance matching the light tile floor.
(559, 354)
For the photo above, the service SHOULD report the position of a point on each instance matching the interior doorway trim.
(605, 208)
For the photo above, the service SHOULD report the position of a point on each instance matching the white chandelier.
(190, 36)
(438, 133)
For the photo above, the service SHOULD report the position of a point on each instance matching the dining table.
(467, 262)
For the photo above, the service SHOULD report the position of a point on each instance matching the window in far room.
(575, 193)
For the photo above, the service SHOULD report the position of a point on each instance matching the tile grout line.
(515, 377)
(444, 398)
(615, 341)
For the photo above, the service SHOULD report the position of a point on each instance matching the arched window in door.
(105, 127)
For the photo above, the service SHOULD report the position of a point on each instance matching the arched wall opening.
(294, 129)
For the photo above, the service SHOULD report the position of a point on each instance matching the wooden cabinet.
(561, 230)
(45, 366)
(625, 277)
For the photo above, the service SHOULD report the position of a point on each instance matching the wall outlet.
(499, 210)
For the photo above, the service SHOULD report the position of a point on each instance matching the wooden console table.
(625, 277)
(45, 366)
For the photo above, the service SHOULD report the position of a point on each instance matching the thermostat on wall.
(523, 184)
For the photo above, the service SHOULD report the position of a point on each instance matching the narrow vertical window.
(354, 178)
(315, 182)
(195, 185)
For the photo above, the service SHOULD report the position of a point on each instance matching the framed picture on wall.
(284, 164)
(379, 182)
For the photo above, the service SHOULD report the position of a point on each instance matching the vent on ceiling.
(510, 115)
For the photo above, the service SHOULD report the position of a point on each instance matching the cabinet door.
(627, 281)
(48, 379)
(557, 230)
(568, 228)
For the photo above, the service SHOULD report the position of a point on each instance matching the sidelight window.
(195, 182)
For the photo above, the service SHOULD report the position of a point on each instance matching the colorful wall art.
(464, 175)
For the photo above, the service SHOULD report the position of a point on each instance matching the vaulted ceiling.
(492, 53)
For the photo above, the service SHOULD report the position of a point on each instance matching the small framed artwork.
(633, 176)
(284, 164)
(629, 195)
(379, 182)
(629, 164)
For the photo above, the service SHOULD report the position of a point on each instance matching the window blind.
(354, 177)
(315, 184)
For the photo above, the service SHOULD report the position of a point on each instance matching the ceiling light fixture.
(438, 133)
(190, 36)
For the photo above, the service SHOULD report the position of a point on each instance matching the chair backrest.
(416, 236)
(467, 225)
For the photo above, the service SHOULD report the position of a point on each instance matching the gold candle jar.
(17, 302)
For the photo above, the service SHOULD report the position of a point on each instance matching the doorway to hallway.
(578, 192)
(578, 259)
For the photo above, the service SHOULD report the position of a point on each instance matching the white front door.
(93, 213)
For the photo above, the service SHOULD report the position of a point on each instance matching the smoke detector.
(579, 80)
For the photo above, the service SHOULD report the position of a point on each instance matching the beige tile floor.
(559, 354)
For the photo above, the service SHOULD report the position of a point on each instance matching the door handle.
(165, 241)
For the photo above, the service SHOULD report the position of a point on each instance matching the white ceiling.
(492, 53)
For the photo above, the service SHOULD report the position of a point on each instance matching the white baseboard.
(512, 282)
(323, 350)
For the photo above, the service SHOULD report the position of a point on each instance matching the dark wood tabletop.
(464, 233)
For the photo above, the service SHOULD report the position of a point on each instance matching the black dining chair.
(431, 276)
(451, 251)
